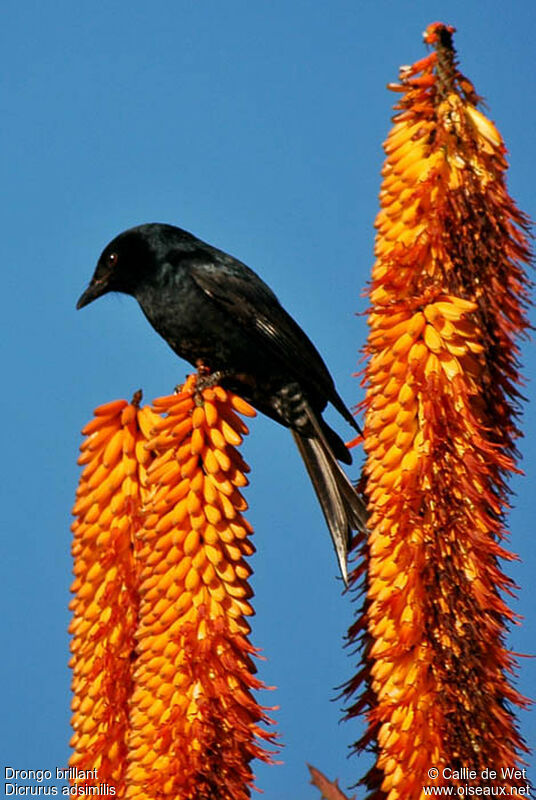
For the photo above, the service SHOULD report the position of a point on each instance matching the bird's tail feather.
(343, 508)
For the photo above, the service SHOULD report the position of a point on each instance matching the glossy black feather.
(215, 311)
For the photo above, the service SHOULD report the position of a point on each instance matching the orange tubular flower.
(108, 513)
(448, 294)
(163, 669)
(194, 722)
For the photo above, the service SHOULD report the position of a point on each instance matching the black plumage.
(218, 314)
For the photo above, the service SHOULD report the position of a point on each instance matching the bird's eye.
(112, 259)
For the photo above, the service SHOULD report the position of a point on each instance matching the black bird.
(217, 313)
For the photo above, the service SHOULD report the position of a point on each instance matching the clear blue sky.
(257, 125)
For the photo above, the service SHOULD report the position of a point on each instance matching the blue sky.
(258, 126)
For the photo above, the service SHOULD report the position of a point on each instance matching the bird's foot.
(206, 379)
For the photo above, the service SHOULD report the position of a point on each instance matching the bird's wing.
(238, 290)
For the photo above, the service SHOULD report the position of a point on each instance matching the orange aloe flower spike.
(195, 724)
(108, 512)
(448, 297)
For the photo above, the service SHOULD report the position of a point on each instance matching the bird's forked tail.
(342, 505)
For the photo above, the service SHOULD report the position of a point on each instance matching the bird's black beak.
(95, 289)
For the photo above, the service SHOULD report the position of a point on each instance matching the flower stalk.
(448, 297)
(194, 722)
(109, 512)
(162, 663)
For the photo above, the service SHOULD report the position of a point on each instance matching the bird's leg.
(239, 383)
(206, 379)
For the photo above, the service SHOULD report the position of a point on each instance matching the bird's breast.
(196, 328)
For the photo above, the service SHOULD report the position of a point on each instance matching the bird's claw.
(207, 379)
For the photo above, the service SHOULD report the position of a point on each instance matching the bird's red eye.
(112, 259)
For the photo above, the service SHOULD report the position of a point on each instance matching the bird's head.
(122, 266)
